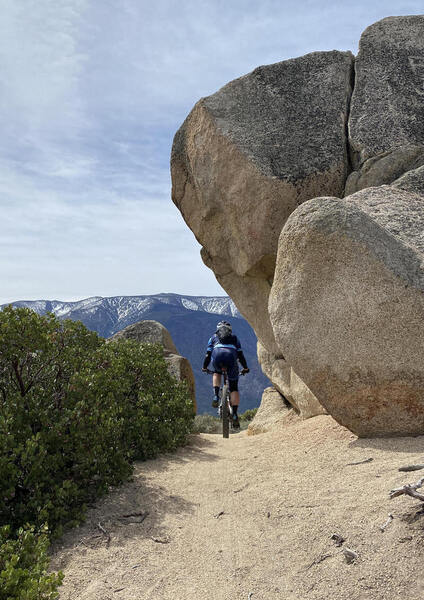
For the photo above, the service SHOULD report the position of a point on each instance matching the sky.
(91, 95)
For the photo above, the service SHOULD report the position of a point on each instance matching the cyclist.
(224, 349)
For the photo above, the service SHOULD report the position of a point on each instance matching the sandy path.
(282, 495)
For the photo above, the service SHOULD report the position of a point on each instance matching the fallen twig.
(411, 468)
(219, 515)
(389, 520)
(410, 489)
(103, 530)
(136, 517)
(360, 462)
(240, 489)
(317, 561)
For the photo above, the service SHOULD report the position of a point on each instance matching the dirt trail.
(252, 517)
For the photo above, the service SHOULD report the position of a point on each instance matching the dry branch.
(389, 520)
(410, 489)
(411, 468)
(136, 517)
(103, 530)
(361, 462)
(318, 560)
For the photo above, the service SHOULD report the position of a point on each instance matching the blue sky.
(91, 94)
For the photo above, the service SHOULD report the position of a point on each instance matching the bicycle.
(225, 409)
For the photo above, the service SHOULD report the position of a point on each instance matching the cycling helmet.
(223, 329)
(224, 324)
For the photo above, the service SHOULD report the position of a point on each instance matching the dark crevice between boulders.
(352, 159)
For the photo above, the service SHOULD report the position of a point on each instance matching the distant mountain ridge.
(119, 311)
(191, 320)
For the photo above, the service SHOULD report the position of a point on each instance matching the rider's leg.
(216, 380)
(235, 398)
(235, 401)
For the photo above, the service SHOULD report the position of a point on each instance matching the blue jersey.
(231, 342)
(224, 354)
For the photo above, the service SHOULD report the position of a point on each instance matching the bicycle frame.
(225, 408)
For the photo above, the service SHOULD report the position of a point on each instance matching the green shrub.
(210, 424)
(23, 565)
(59, 446)
(248, 414)
(207, 424)
(75, 412)
(156, 409)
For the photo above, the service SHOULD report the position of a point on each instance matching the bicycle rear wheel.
(225, 412)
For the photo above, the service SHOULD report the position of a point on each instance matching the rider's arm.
(207, 359)
(242, 359)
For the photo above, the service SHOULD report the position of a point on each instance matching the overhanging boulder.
(248, 155)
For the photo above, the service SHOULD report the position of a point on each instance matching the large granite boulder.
(271, 413)
(386, 122)
(261, 149)
(248, 155)
(347, 307)
(153, 332)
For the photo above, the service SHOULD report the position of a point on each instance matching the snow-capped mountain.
(114, 313)
(191, 320)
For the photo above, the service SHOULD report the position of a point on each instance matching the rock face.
(247, 156)
(412, 181)
(347, 306)
(271, 412)
(287, 383)
(153, 332)
(262, 155)
(386, 123)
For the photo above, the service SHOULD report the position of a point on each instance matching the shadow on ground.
(406, 445)
(136, 509)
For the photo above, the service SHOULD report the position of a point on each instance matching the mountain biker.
(224, 349)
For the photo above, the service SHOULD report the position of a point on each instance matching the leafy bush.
(156, 409)
(75, 412)
(23, 564)
(207, 424)
(210, 424)
(248, 414)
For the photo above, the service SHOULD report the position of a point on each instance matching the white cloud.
(91, 94)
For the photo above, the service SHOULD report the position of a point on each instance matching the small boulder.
(150, 332)
(153, 332)
(271, 413)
